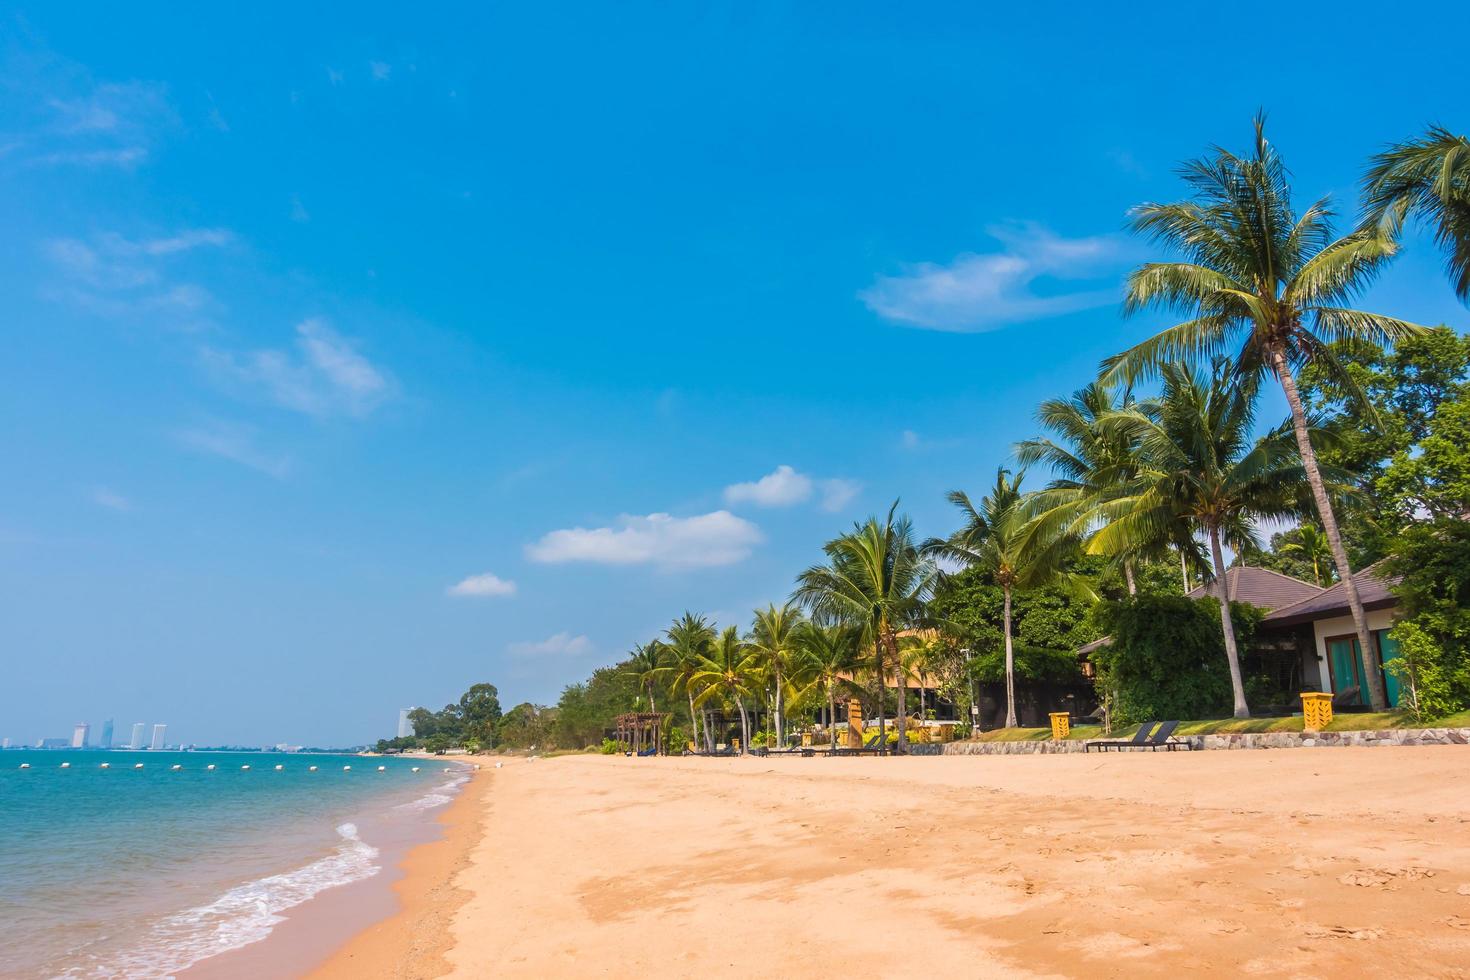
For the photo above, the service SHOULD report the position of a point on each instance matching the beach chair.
(1163, 738)
(1140, 737)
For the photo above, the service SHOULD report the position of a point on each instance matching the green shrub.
(1167, 658)
(1432, 562)
(609, 747)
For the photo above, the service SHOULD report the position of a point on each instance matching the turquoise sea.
(139, 864)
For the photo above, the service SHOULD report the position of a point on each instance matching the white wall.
(1378, 619)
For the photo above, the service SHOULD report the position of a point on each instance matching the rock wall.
(1251, 740)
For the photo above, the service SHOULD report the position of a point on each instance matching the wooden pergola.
(640, 731)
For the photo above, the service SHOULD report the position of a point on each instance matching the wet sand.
(1314, 862)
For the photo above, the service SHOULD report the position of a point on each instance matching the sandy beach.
(1315, 862)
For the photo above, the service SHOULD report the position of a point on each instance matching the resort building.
(1323, 626)
(157, 744)
(136, 742)
(1307, 640)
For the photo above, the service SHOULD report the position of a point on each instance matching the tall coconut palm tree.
(1266, 285)
(1198, 462)
(1312, 545)
(1000, 536)
(646, 665)
(875, 577)
(689, 640)
(1427, 178)
(773, 636)
(827, 663)
(731, 670)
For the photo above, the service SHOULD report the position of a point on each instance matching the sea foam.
(243, 915)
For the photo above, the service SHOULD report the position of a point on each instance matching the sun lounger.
(1146, 738)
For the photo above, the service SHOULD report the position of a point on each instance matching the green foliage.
(1167, 658)
(970, 604)
(527, 726)
(1032, 663)
(585, 711)
(1433, 564)
(1397, 419)
(609, 747)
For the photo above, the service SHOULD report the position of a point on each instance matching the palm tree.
(875, 577)
(689, 639)
(827, 661)
(1199, 464)
(1266, 286)
(1428, 178)
(731, 670)
(1086, 455)
(1000, 536)
(773, 636)
(1312, 545)
(646, 665)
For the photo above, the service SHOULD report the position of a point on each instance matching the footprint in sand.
(1457, 922)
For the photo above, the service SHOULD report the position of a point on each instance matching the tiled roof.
(1373, 591)
(1260, 587)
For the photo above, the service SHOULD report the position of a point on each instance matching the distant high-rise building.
(136, 742)
(157, 744)
(106, 741)
(52, 743)
(79, 735)
(5, 742)
(405, 727)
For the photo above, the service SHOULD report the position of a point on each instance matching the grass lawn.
(1359, 722)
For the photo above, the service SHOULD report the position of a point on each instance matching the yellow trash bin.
(806, 740)
(1316, 710)
(1061, 724)
(735, 744)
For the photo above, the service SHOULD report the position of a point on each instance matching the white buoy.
(210, 766)
(105, 765)
(311, 768)
(346, 768)
(499, 764)
(25, 765)
(175, 767)
(414, 769)
(244, 768)
(279, 768)
(137, 765)
(382, 769)
(446, 768)
(66, 765)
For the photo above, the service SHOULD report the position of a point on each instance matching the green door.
(1347, 667)
(1388, 648)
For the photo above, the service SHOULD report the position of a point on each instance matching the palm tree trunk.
(882, 689)
(1371, 672)
(1128, 577)
(780, 712)
(831, 717)
(1184, 569)
(903, 687)
(1010, 666)
(693, 718)
(744, 726)
(1236, 685)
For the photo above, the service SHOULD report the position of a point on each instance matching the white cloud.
(910, 439)
(111, 499)
(482, 586)
(125, 157)
(781, 488)
(557, 645)
(235, 443)
(90, 124)
(324, 376)
(984, 292)
(299, 214)
(116, 276)
(838, 493)
(381, 70)
(718, 538)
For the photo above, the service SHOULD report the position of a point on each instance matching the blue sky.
(354, 359)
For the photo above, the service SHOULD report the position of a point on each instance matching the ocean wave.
(439, 796)
(243, 915)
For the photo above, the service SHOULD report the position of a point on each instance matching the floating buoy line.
(211, 767)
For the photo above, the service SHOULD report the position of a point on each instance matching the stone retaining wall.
(1249, 740)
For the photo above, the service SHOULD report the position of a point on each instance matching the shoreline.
(412, 940)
